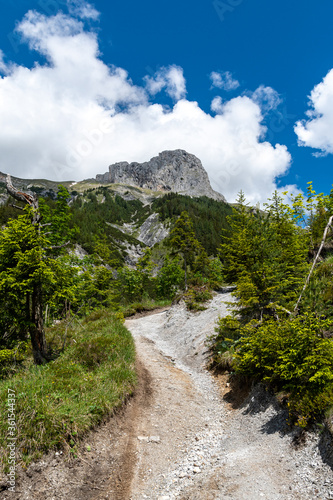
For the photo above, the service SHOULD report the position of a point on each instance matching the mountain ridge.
(174, 171)
(171, 171)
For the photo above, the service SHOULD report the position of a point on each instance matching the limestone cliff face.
(170, 171)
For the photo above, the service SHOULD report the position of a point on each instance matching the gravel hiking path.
(192, 444)
(182, 436)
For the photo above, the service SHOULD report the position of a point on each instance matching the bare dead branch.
(329, 226)
(279, 308)
(285, 310)
(19, 195)
(16, 206)
(56, 247)
(32, 201)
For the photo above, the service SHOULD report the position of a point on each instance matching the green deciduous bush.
(129, 283)
(11, 359)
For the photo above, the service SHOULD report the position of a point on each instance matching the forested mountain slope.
(109, 218)
(110, 250)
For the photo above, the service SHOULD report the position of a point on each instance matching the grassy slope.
(57, 403)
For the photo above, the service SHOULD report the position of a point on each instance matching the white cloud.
(82, 9)
(40, 31)
(317, 131)
(267, 98)
(223, 80)
(171, 79)
(73, 116)
(217, 105)
(3, 65)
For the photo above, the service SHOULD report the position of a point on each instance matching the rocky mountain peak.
(170, 171)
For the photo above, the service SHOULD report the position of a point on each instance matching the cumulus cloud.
(171, 79)
(317, 131)
(69, 118)
(3, 65)
(224, 80)
(82, 10)
(217, 105)
(267, 98)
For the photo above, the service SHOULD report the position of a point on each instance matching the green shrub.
(169, 278)
(228, 332)
(11, 359)
(293, 356)
(195, 298)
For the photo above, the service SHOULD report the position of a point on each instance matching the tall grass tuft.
(56, 404)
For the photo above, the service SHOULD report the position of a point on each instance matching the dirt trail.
(179, 438)
(192, 445)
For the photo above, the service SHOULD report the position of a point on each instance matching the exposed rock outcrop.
(152, 231)
(170, 171)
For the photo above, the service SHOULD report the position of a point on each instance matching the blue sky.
(84, 85)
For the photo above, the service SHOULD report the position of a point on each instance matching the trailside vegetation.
(56, 404)
(281, 327)
(279, 332)
(63, 348)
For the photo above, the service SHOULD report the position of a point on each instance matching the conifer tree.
(291, 244)
(26, 270)
(265, 256)
(183, 240)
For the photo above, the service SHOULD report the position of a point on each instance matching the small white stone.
(155, 439)
(143, 439)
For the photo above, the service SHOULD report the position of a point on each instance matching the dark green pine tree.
(265, 256)
(183, 241)
(290, 245)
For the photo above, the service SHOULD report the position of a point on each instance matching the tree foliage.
(265, 256)
(209, 217)
(182, 240)
(24, 272)
(28, 272)
(292, 356)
